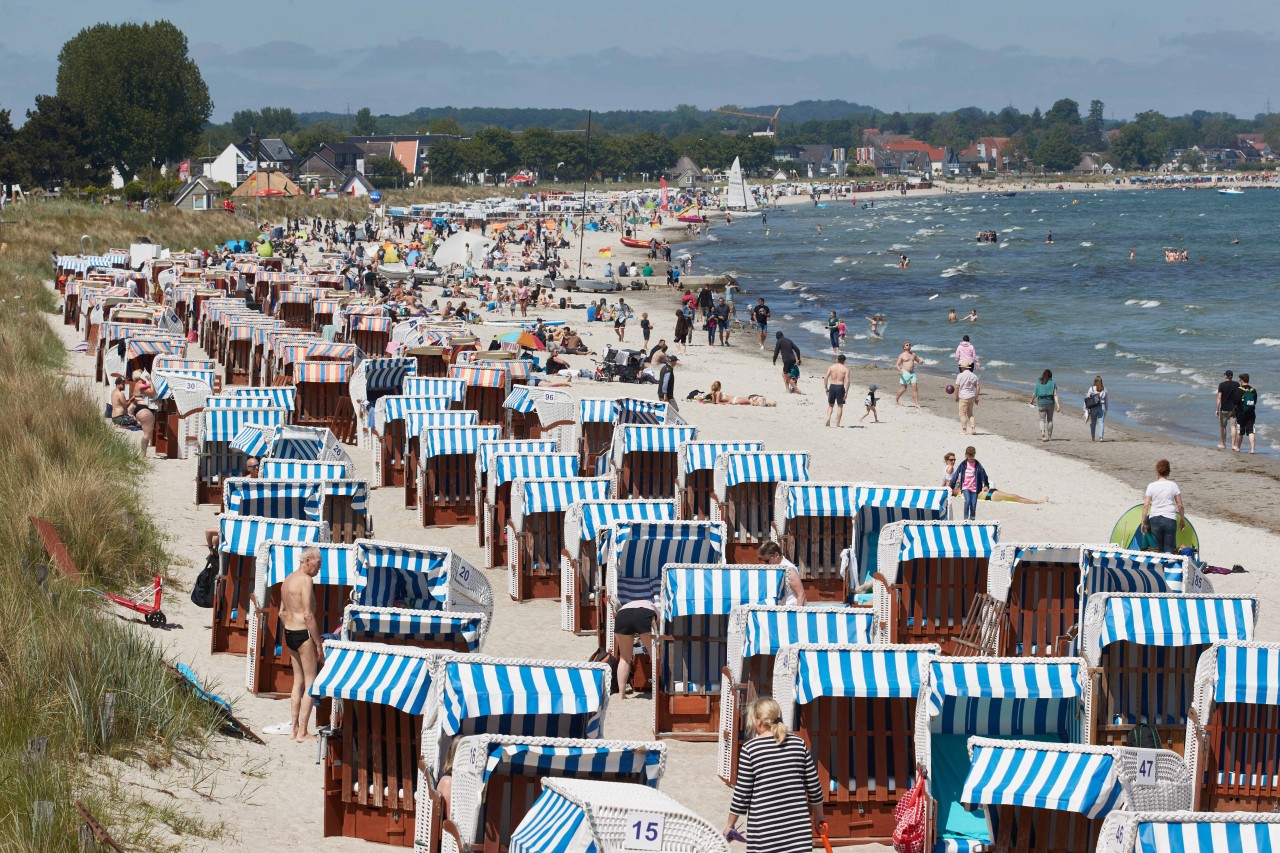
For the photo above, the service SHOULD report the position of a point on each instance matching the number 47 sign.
(644, 831)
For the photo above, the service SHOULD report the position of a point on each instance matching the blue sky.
(395, 56)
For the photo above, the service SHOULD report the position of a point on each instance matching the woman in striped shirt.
(777, 785)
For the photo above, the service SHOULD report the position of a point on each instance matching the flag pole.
(582, 229)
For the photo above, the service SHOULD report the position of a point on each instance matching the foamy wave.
(970, 296)
(1102, 345)
(809, 297)
(1086, 244)
(1267, 342)
(960, 269)
(899, 247)
(997, 363)
(789, 285)
(817, 327)
(927, 348)
(1143, 303)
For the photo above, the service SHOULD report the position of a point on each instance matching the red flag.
(662, 182)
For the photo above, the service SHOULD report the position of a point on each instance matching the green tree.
(1057, 153)
(1192, 158)
(11, 169)
(385, 172)
(536, 149)
(1093, 125)
(56, 146)
(308, 140)
(500, 145)
(1136, 148)
(1064, 111)
(142, 97)
(446, 163)
(444, 127)
(365, 124)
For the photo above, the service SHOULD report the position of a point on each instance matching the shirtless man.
(302, 636)
(906, 366)
(836, 381)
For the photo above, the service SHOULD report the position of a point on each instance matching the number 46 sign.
(643, 831)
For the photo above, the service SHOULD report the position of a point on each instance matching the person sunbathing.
(994, 494)
(719, 397)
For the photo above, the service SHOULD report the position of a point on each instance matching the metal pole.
(582, 229)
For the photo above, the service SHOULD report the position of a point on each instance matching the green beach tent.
(1128, 532)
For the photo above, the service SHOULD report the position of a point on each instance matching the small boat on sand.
(633, 243)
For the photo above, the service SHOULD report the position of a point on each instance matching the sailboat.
(739, 195)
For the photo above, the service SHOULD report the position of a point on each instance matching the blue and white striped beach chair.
(373, 379)
(882, 505)
(644, 459)
(757, 632)
(443, 487)
(504, 470)
(1144, 649)
(535, 530)
(1233, 729)
(216, 458)
(484, 456)
(742, 498)
(1043, 700)
(1041, 586)
(386, 424)
(420, 577)
(814, 526)
(416, 431)
(287, 469)
(533, 413)
(424, 629)
(1188, 832)
(695, 461)
(855, 706)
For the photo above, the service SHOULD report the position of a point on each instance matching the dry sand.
(269, 798)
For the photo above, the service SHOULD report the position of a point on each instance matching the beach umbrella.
(1128, 533)
(521, 338)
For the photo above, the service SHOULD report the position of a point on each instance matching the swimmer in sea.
(1235, 242)
(951, 316)
(819, 230)
(972, 316)
(1131, 253)
(1049, 239)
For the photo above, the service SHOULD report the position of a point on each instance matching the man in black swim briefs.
(836, 382)
(302, 637)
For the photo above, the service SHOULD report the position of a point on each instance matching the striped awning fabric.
(390, 574)
(1004, 679)
(117, 258)
(282, 469)
(763, 467)
(1042, 777)
(1177, 620)
(527, 759)
(553, 825)
(238, 401)
(1132, 571)
(325, 349)
(383, 373)
(367, 323)
(924, 541)
(291, 352)
(364, 311)
(555, 495)
(489, 449)
(1247, 675)
(321, 371)
(519, 368)
(715, 590)
(255, 439)
(481, 688)
(82, 263)
(281, 396)
(382, 675)
(434, 386)
(243, 534)
(419, 422)
(506, 467)
(357, 490)
(768, 629)
(597, 515)
(283, 499)
(480, 377)
(338, 566)
(632, 410)
(859, 671)
(655, 439)
(1173, 836)
(597, 411)
(702, 455)
(191, 381)
(396, 407)
(521, 399)
(365, 624)
(934, 500)
(821, 499)
(296, 297)
(136, 347)
(445, 441)
(644, 547)
(225, 424)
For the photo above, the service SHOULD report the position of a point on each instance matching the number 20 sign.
(644, 831)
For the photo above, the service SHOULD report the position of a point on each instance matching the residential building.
(332, 163)
(199, 194)
(413, 150)
(232, 165)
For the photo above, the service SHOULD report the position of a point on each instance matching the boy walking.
(870, 403)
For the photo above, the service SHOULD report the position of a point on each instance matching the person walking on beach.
(302, 638)
(833, 332)
(1095, 409)
(790, 354)
(777, 786)
(971, 478)
(869, 403)
(721, 313)
(1246, 412)
(705, 301)
(646, 328)
(836, 381)
(968, 393)
(683, 331)
(760, 316)
(1228, 391)
(1045, 398)
(906, 367)
(1163, 514)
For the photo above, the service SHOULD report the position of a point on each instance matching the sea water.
(1160, 334)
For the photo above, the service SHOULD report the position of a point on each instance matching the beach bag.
(202, 589)
(1246, 406)
(1143, 736)
(1092, 400)
(908, 816)
(603, 655)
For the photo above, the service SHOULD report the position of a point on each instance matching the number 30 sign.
(644, 831)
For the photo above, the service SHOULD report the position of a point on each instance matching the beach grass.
(81, 689)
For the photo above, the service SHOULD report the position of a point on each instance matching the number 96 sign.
(643, 831)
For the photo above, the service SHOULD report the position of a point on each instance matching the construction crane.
(773, 119)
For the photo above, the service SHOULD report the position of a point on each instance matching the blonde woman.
(777, 786)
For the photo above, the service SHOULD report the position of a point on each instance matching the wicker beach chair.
(814, 525)
(1143, 650)
(322, 399)
(445, 481)
(216, 458)
(581, 572)
(373, 379)
(695, 461)
(644, 459)
(370, 332)
(757, 632)
(419, 577)
(535, 530)
(1188, 832)
(385, 422)
(533, 413)
(416, 429)
(1042, 587)
(423, 629)
(240, 538)
(742, 498)
(486, 388)
(1045, 700)
(504, 470)
(484, 456)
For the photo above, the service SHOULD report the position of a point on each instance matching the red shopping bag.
(908, 833)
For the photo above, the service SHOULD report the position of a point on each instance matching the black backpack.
(1247, 400)
(202, 589)
(1143, 736)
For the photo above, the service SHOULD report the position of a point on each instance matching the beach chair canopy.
(586, 816)
(380, 374)
(803, 673)
(507, 467)
(374, 624)
(286, 469)
(1240, 672)
(338, 565)
(701, 455)
(329, 372)
(877, 506)
(282, 499)
(569, 699)
(475, 376)
(396, 676)
(334, 351)
(1188, 832)
(638, 550)
(1019, 697)
(455, 440)
(715, 589)
(489, 449)
(244, 535)
(281, 396)
(1165, 619)
(434, 386)
(396, 407)
(392, 572)
(1078, 779)
(764, 629)
(554, 495)
(416, 424)
(949, 540)
(625, 410)
(1109, 569)
(223, 425)
(736, 467)
(187, 388)
(514, 756)
(629, 438)
(584, 520)
(282, 441)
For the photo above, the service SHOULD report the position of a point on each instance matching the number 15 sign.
(643, 831)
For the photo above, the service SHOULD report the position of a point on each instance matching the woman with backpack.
(1095, 409)
(1246, 411)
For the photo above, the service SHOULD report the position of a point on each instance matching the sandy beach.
(269, 798)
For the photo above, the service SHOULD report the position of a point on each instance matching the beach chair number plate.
(1146, 768)
(644, 831)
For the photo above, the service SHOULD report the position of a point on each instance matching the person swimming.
(1049, 239)
(972, 317)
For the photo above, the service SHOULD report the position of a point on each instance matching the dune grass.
(63, 649)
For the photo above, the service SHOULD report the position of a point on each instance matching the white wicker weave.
(1120, 830)
(469, 590)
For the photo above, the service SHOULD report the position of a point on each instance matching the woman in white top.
(793, 587)
(1162, 511)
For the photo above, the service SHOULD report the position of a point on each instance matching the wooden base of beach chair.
(695, 497)
(487, 402)
(584, 594)
(814, 544)
(370, 774)
(748, 516)
(230, 634)
(346, 525)
(449, 497)
(431, 361)
(932, 597)
(167, 435)
(273, 673)
(647, 476)
(595, 444)
(1240, 759)
(687, 717)
(493, 528)
(1043, 607)
(1128, 675)
(393, 461)
(371, 343)
(694, 655)
(538, 561)
(865, 752)
(1020, 829)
